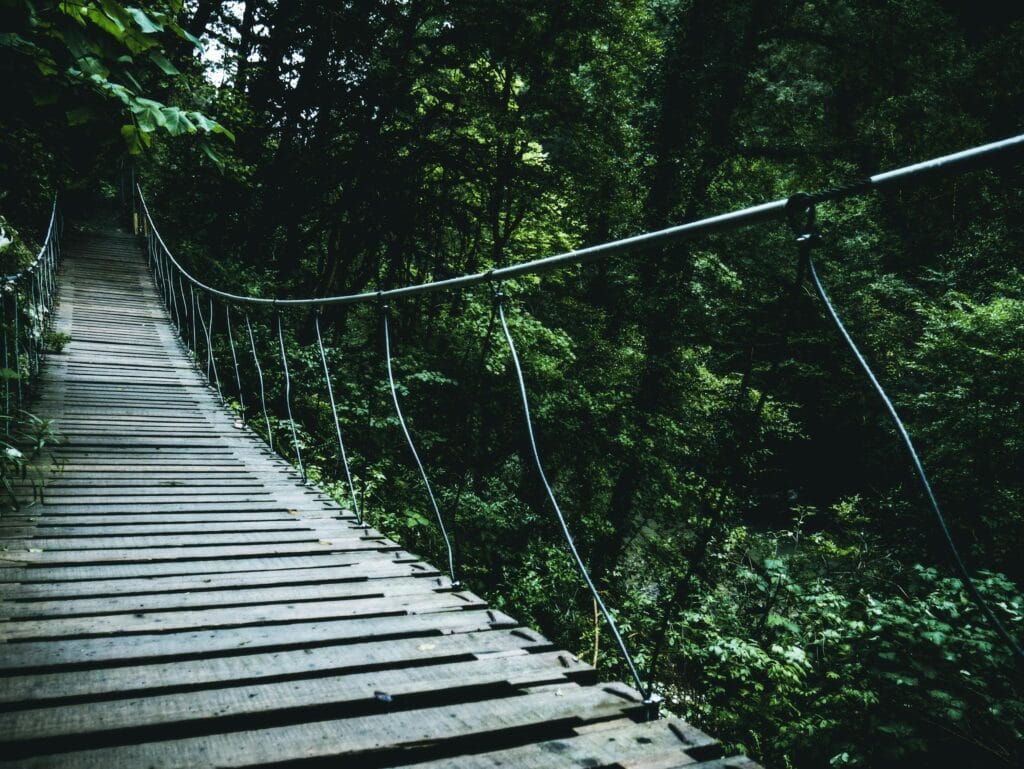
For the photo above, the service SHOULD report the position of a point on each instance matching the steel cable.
(17, 341)
(288, 398)
(7, 377)
(385, 312)
(337, 423)
(192, 311)
(210, 362)
(580, 565)
(234, 360)
(807, 242)
(259, 375)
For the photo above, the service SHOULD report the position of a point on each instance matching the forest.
(736, 487)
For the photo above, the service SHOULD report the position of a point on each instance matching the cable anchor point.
(652, 706)
(802, 216)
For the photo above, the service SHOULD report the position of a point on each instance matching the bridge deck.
(181, 600)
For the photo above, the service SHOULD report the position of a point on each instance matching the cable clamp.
(801, 213)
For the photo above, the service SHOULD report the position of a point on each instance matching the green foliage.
(14, 252)
(25, 441)
(84, 55)
(56, 341)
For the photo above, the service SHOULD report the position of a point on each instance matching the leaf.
(935, 636)
(777, 620)
(186, 35)
(111, 26)
(145, 23)
(210, 126)
(210, 153)
(136, 140)
(163, 63)
(177, 122)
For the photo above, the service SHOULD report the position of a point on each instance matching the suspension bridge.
(180, 596)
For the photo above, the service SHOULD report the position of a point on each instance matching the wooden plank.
(46, 655)
(616, 745)
(137, 680)
(126, 520)
(239, 596)
(143, 471)
(347, 572)
(153, 554)
(158, 496)
(163, 507)
(258, 614)
(66, 573)
(186, 542)
(285, 701)
(60, 528)
(411, 733)
(90, 485)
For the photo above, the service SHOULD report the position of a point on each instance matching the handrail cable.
(210, 361)
(959, 161)
(37, 303)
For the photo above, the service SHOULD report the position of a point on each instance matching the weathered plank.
(164, 715)
(63, 573)
(110, 588)
(136, 680)
(204, 599)
(45, 655)
(368, 740)
(615, 745)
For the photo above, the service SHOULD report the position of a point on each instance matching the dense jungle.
(736, 487)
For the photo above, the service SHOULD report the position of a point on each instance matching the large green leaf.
(145, 23)
(163, 63)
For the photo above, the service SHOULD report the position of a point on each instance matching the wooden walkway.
(181, 600)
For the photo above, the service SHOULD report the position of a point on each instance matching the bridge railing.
(27, 299)
(193, 305)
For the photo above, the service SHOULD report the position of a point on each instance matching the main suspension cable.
(975, 157)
